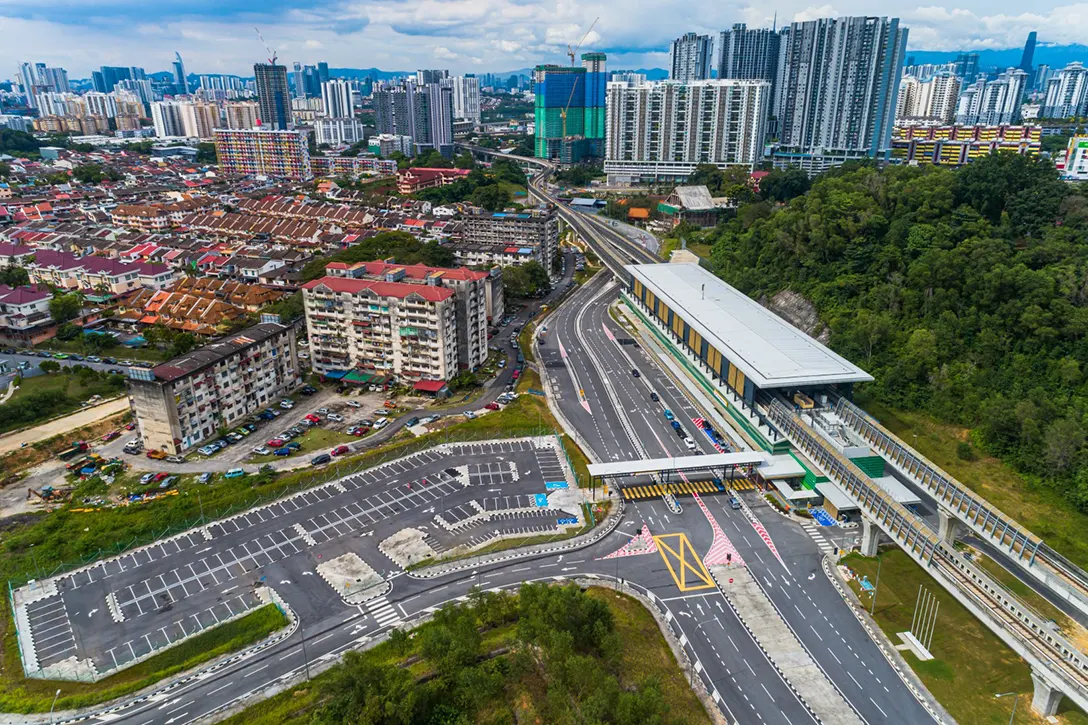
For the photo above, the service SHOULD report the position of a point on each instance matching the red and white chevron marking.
(631, 548)
(760, 529)
(722, 547)
(699, 424)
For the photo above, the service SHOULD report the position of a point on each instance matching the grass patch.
(1041, 510)
(40, 451)
(312, 441)
(43, 397)
(26, 695)
(645, 655)
(971, 663)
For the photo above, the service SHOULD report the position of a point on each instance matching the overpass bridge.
(1057, 667)
(959, 507)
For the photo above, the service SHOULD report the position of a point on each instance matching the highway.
(590, 373)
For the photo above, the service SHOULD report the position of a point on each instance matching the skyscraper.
(323, 72)
(466, 97)
(1029, 53)
(835, 94)
(440, 117)
(934, 98)
(107, 77)
(560, 91)
(992, 103)
(181, 82)
(426, 77)
(1067, 93)
(596, 90)
(300, 84)
(966, 67)
(272, 95)
(336, 99)
(690, 57)
(748, 54)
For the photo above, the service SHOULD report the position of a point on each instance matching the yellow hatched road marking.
(685, 566)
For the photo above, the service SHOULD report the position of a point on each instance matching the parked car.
(411, 422)
(308, 390)
(207, 450)
(381, 424)
(262, 450)
(286, 404)
(175, 459)
(335, 418)
(146, 478)
(354, 404)
(294, 446)
(320, 460)
(205, 478)
(168, 482)
(285, 451)
(492, 406)
(322, 411)
(276, 443)
(234, 473)
(312, 418)
(111, 435)
(339, 450)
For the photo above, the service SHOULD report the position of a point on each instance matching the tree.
(183, 343)
(49, 366)
(205, 153)
(14, 276)
(360, 691)
(5, 170)
(464, 161)
(432, 159)
(66, 307)
(289, 308)
(525, 280)
(492, 198)
(784, 184)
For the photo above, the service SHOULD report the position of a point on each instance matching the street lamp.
(1015, 700)
(876, 587)
(55, 696)
(691, 679)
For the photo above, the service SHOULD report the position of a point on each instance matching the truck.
(72, 451)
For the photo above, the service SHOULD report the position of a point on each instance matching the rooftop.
(216, 351)
(770, 352)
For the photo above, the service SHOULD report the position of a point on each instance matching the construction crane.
(572, 52)
(271, 53)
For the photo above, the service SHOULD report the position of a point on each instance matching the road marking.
(676, 548)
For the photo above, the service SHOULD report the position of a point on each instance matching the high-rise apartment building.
(336, 99)
(836, 90)
(181, 81)
(381, 328)
(167, 118)
(38, 78)
(1067, 93)
(466, 97)
(186, 400)
(559, 112)
(242, 114)
(748, 54)
(200, 119)
(322, 72)
(662, 131)
(439, 102)
(596, 93)
(265, 152)
(106, 78)
(427, 77)
(966, 67)
(932, 99)
(272, 96)
(338, 131)
(992, 103)
(691, 57)
(423, 113)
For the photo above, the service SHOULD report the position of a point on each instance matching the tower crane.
(271, 53)
(572, 52)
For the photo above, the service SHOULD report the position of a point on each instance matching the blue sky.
(462, 35)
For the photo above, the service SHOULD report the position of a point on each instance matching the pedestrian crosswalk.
(383, 612)
(813, 529)
(679, 488)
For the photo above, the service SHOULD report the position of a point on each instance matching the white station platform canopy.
(676, 465)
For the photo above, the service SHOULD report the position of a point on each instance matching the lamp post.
(876, 587)
(55, 696)
(305, 657)
(1015, 700)
(691, 679)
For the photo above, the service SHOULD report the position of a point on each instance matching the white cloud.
(443, 53)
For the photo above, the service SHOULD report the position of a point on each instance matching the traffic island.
(351, 577)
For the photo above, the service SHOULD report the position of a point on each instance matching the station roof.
(836, 496)
(676, 465)
(897, 490)
(770, 352)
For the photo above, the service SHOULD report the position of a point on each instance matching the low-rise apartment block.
(506, 238)
(96, 275)
(955, 145)
(412, 180)
(24, 311)
(374, 328)
(478, 295)
(184, 401)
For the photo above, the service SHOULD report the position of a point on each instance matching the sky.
(217, 36)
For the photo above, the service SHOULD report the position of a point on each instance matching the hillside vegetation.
(962, 291)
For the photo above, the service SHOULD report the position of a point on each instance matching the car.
(276, 443)
(175, 459)
(76, 357)
(131, 426)
(146, 478)
(252, 428)
(234, 437)
(690, 444)
(339, 450)
(262, 450)
(366, 423)
(109, 361)
(61, 356)
(94, 359)
(734, 503)
(335, 418)
(322, 411)
(669, 415)
(159, 476)
(356, 430)
(653, 396)
(111, 435)
(354, 404)
(294, 446)
(205, 478)
(517, 374)
(308, 390)
(295, 430)
(381, 413)
(381, 424)
(43, 353)
(242, 431)
(636, 373)
(286, 405)
(285, 451)
(320, 460)
(312, 418)
(23, 365)
(286, 435)
(234, 473)
(306, 423)
(412, 422)
(207, 450)
(168, 482)
(492, 406)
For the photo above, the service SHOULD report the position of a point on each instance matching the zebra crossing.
(383, 612)
(813, 530)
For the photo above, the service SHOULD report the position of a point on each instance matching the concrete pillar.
(870, 537)
(947, 525)
(1047, 697)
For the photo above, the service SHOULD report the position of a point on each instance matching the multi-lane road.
(161, 593)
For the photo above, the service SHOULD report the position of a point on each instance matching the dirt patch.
(799, 312)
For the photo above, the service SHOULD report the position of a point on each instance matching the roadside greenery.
(962, 291)
(546, 654)
(402, 246)
(46, 396)
(487, 188)
(525, 280)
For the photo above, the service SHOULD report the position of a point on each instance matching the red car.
(313, 418)
(276, 443)
(492, 406)
(130, 426)
(160, 476)
(340, 450)
(111, 435)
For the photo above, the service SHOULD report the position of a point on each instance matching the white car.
(262, 450)
(382, 422)
(690, 444)
(286, 404)
(336, 418)
(354, 404)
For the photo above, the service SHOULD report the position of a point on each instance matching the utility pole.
(1015, 700)
(879, 561)
(691, 679)
(305, 657)
(55, 696)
